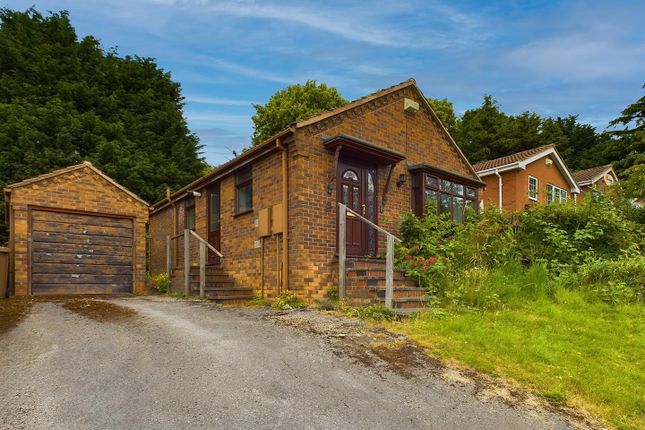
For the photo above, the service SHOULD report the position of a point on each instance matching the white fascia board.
(560, 162)
(505, 168)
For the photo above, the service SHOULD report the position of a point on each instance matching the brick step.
(366, 282)
(372, 271)
(365, 263)
(231, 300)
(229, 291)
(210, 278)
(399, 292)
(410, 302)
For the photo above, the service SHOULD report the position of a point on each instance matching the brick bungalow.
(383, 155)
(595, 178)
(516, 181)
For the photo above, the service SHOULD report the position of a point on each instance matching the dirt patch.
(375, 347)
(98, 310)
(12, 311)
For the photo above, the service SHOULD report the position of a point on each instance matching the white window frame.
(554, 193)
(533, 193)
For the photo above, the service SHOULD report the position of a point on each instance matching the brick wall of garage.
(81, 190)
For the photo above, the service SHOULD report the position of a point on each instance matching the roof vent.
(548, 161)
(410, 106)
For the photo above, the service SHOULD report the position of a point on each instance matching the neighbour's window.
(189, 213)
(244, 191)
(447, 195)
(555, 194)
(533, 188)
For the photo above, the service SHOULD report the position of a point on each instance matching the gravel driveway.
(163, 364)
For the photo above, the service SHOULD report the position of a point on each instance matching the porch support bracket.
(386, 189)
(332, 177)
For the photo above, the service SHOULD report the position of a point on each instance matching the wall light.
(402, 180)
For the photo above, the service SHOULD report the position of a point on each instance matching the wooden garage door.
(73, 253)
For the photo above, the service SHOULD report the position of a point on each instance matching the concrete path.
(174, 365)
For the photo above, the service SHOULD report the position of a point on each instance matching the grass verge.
(585, 355)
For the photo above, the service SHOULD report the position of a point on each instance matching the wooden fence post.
(186, 262)
(342, 243)
(168, 257)
(389, 271)
(202, 269)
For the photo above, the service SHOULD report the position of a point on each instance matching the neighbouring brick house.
(516, 181)
(383, 155)
(75, 231)
(595, 178)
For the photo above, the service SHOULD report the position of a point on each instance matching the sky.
(551, 57)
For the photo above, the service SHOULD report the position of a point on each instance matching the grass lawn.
(587, 355)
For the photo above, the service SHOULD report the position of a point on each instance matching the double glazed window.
(244, 191)
(189, 213)
(555, 194)
(447, 195)
(533, 188)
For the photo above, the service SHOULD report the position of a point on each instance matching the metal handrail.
(342, 254)
(381, 229)
(203, 244)
(212, 248)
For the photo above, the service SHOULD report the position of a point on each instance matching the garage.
(75, 231)
(80, 253)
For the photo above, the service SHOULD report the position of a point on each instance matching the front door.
(356, 189)
(214, 224)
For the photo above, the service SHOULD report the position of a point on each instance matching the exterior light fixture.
(402, 180)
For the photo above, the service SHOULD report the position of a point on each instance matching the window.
(533, 188)
(446, 195)
(244, 191)
(189, 213)
(555, 194)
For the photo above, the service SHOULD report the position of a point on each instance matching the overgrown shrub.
(287, 300)
(627, 272)
(160, 282)
(495, 257)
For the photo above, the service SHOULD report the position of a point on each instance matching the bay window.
(448, 192)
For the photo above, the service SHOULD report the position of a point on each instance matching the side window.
(189, 213)
(244, 191)
(533, 188)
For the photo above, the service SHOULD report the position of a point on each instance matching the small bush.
(160, 282)
(332, 294)
(288, 300)
(372, 312)
(257, 301)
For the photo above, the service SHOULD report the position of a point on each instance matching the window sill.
(235, 215)
(535, 199)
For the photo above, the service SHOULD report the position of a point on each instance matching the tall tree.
(632, 117)
(293, 103)
(445, 110)
(64, 100)
(479, 131)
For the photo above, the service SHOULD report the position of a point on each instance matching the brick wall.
(382, 122)
(242, 260)
(312, 210)
(82, 190)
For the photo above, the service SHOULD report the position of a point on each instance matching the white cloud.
(579, 56)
